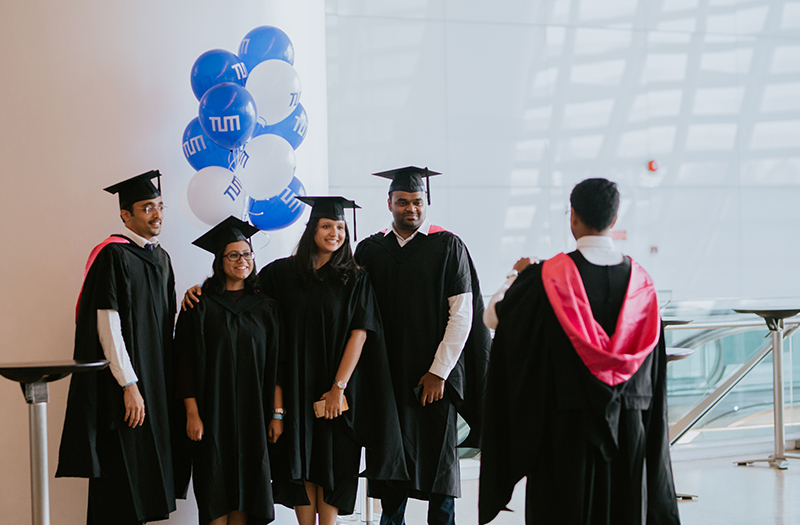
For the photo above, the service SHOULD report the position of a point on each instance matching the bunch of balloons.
(249, 124)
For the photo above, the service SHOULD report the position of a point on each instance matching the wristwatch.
(341, 384)
(512, 273)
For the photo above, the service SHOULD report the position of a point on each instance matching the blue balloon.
(215, 67)
(279, 211)
(265, 43)
(228, 115)
(202, 152)
(293, 128)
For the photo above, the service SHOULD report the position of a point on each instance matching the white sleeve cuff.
(109, 330)
(456, 333)
(490, 314)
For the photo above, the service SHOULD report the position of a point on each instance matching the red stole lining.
(615, 359)
(433, 229)
(92, 256)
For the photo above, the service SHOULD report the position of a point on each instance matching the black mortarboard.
(409, 179)
(135, 189)
(228, 231)
(331, 208)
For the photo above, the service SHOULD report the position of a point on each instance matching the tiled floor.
(728, 495)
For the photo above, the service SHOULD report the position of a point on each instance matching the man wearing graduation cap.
(431, 306)
(116, 429)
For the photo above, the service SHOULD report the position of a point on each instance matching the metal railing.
(709, 332)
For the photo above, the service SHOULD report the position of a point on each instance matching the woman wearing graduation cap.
(227, 348)
(332, 350)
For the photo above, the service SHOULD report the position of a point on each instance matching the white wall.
(516, 101)
(94, 92)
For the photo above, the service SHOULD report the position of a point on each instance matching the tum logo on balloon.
(288, 198)
(234, 189)
(193, 145)
(300, 124)
(220, 124)
(241, 70)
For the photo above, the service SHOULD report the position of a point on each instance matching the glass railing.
(723, 393)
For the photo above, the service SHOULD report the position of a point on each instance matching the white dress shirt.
(109, 330)
(459, 321)
(596, 249)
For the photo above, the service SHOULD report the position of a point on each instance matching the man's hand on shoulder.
(191, 296)
(134, 405)
(524, 262)
(432, 388)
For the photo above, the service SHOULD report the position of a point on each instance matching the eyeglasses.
(150, 208)
(234, 256)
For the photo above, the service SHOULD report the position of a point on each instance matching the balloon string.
(265, 235)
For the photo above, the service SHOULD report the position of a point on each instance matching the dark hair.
(128, 208)
(217, 284)
(342, 262)
(596, 202)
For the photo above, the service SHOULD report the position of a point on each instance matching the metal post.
(40, 494)
(37, 396)
(779, 459)
(777, 380)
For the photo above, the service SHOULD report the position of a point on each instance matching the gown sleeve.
(514, 394)
(187, 340)
(103, 289)
(662, 507)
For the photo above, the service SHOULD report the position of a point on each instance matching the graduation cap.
(330, 208)
(135, 189)
(228, 231)
(409, 179)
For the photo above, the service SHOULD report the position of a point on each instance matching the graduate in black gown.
(227, 353)
(576, 393)
(430, 301)
(117, 425)
(332, 349)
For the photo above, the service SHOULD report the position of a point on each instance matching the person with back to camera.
(576, 392)
(226, 363)
(332, 355)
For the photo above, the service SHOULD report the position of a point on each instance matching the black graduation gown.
(317, 319)
(227, 356)
(130, 469)
(412, 285)
(593, 453)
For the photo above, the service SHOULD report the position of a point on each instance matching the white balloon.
(186, 211)
(267, 167)
(275, 86)
(215, 193)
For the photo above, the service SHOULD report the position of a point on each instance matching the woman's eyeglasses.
(234, 256)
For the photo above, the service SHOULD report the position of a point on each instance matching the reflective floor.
(738, 495)
(728, 494)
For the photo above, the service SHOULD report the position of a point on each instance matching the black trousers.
(441, 508)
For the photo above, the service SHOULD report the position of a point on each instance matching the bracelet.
(280, 411)
(277, 416)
